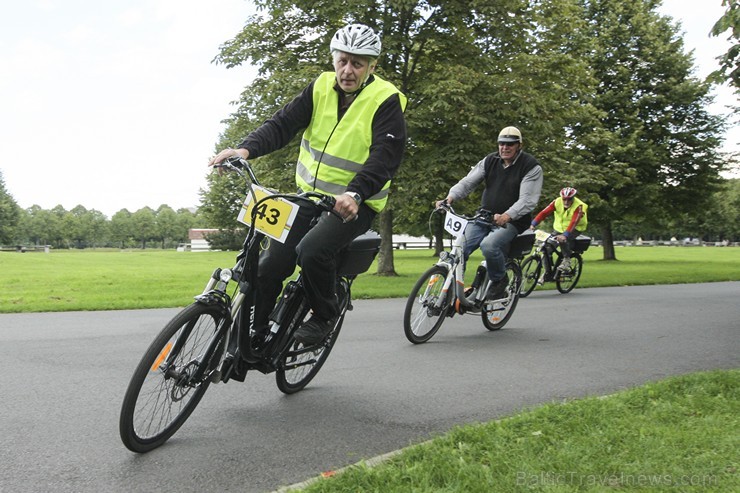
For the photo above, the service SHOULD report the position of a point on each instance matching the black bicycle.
(211, 340)
(544, 265)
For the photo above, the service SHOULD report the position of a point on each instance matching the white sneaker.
(564, 265)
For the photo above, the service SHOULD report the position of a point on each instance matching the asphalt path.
(64, 376)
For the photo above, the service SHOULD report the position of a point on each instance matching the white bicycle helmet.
(568, 192)
(357, 39)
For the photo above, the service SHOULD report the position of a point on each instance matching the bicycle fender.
(215, 298)
(444, 264)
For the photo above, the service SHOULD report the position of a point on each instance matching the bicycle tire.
(567, 282)
(156, 403)
(300, 365)
(423, 315)
(531, 269)
(496, 313)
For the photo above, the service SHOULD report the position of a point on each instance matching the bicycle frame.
(547, 251)
(234, 328)
(454, 262)
(212, 339)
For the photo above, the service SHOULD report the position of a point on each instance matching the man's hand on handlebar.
(346, 207)
(501, 219)
(224, 155)
(441, 203)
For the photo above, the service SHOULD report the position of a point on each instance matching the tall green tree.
(9, 214)
(729, 69)
(60, 237)
(85, 228)
(720, 220)
(122, 228)
(661, 147)
(469, 68)
(40, 226)
(144, 226)
(601, 89)
(166, 226)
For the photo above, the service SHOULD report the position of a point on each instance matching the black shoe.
(497, 289)
(258, 336)
(314, 330)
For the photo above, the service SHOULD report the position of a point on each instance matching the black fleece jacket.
(386, 149)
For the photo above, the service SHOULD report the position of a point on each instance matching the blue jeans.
(494, 244)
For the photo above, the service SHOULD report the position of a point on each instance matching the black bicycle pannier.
(359, 255)
(522, 244)
(582, 243)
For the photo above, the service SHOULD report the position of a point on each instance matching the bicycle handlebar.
(243, 168)
(479, 214)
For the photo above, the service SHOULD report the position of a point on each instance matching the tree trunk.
(438, 239)
(607, 242)
(385, 257)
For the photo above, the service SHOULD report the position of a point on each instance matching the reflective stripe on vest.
(563, 215)
(332, 152)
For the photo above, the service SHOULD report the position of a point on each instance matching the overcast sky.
(116, 104)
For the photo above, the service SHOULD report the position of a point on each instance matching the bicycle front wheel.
(496, 313)
(567, 280)
(426, 306)
(531, 269)
(162, 394)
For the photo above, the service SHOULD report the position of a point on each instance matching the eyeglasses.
(507, 144)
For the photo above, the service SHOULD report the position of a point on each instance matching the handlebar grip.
(324, 201)
(235, 161)
(328, 201)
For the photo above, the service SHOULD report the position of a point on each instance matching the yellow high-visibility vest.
(332, 152)
(563, 215)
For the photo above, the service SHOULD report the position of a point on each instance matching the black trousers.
(315, 251)
(567, 246)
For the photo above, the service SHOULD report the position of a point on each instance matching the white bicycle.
(440, 292)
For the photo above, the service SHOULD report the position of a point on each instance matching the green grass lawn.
(131, 279)
(679, 434)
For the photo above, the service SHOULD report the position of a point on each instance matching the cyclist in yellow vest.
(571, 219)
(354, 134)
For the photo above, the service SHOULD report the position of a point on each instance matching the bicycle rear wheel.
(566, 281)
(426, 306)
(161, 394)
(300, 365)
(496, 313)
(531, 269)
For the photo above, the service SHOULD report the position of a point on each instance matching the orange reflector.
(165, 351)
(328, 474)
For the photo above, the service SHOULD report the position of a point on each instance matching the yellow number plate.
(274, 217)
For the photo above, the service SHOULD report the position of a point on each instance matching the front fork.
(215, 293)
